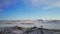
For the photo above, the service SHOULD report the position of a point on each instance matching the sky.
(29, 9)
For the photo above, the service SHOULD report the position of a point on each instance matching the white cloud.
(57, 4)
(45, 3)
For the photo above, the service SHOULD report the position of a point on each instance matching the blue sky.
(29, 9)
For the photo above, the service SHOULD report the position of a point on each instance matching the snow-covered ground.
(45, 25)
